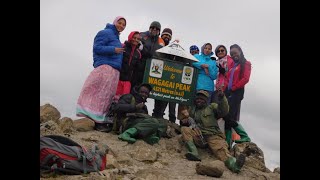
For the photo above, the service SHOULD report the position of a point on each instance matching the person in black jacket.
(132, 117)
(159, 105)
(131, 62)
(151, 42)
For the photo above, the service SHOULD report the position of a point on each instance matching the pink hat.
(118, 18)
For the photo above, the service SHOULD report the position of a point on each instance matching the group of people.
(117, 78)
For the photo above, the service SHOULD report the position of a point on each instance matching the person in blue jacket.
(207, 69)
(100, 86)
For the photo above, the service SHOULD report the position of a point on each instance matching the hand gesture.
(140, 105)
(220, 92)
(204, 65)
(197, 131)
(222, 70)
(119, 50)
(184, 121)
(206, 70)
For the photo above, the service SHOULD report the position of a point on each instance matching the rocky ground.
(141, 161)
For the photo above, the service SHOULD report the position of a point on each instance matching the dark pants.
(145, 126)
(234, 101)
(160, 107)
(214, 97)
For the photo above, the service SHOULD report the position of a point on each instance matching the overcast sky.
(68, 27)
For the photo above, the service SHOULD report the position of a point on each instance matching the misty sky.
(68, 27)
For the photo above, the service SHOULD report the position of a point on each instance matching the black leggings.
(234, 101)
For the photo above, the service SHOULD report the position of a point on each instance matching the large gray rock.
(65, 125)
(83, 125)
(49, 113)
(276, 170)
(210, 168)
(254, 155)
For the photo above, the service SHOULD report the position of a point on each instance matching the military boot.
(192, 153)
(234, 164)
(128, 135)
(243, 135)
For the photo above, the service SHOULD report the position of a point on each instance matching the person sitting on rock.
(132, 119)
(203, 130)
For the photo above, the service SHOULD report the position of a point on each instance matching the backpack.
(62, 155)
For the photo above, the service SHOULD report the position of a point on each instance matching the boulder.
(210, 168)
(83, 125)
(49, 113)
(65, 125)
(254, 155)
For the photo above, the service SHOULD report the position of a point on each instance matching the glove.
(221, 69)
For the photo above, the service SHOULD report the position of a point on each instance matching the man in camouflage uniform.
(203, 130)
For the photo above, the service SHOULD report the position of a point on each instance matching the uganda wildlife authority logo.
(187, 75)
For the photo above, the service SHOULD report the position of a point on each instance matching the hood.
(130, 36)
(202, 48)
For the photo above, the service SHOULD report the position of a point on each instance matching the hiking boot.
(242, 133)
(128, 135)
(102, 127)
(192, 155)
(152, 139)
(234, 164)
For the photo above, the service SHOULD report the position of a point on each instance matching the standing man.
(160, 106)
(151, 42)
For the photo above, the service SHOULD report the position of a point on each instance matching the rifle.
(196, 128)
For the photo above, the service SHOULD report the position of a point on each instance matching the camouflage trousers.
(216, 143)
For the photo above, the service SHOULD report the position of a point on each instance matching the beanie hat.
(202, 94)
(167, 31)
(155, 24)
(194, 47)
(118, 18)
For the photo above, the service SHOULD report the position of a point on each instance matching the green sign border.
(187, 97)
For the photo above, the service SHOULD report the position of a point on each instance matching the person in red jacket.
(238, 76)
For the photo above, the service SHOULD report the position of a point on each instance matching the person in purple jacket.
(101, 84)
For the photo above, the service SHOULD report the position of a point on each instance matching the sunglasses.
(153, 27)
(220, 50)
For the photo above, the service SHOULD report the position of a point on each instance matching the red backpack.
(63, 155)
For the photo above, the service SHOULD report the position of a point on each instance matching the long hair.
(242, 60)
